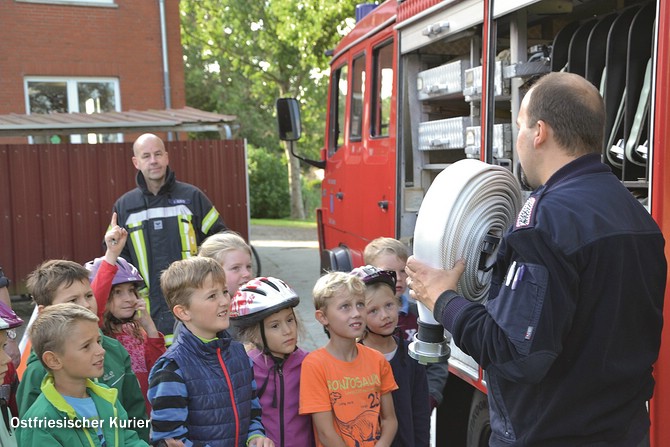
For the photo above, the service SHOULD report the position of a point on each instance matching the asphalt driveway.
(292, 255)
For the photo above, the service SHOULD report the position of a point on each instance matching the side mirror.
(288, 119)
(288, 123)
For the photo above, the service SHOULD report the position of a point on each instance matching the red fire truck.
(420, 84)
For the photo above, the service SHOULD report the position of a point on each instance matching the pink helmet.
(372, 275)
(8, 318)
(260, 298)
(126, 272)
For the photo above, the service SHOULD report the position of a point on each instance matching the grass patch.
(284, 223)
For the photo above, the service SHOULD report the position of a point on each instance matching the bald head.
(147, 139)
(574, 110)
(151, 159)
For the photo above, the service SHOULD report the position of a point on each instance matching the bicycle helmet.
(8, 318)
(373, 275)
(126, 272)
(260, 298)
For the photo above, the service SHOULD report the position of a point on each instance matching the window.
(64, 95)
(338, 106)
(357, 92)
(74, 2)
(382, 90)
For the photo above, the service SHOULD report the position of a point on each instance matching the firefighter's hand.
(427, 283)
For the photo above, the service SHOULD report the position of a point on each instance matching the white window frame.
(72, 96)
(104, 3)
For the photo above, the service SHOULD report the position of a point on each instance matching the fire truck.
(418, 85)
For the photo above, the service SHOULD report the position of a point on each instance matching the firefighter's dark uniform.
(164, 228)
(572, 328)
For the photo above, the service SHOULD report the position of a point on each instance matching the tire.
(479, 424)
(255, 262)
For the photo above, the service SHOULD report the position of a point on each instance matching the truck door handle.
(339, 195)
(383, 204)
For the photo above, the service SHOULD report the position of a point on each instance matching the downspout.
(166, 69)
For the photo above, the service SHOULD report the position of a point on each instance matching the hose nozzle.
(429, 345)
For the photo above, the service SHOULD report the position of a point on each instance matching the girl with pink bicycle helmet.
(122, 310)
(263, 312)
(8, 321)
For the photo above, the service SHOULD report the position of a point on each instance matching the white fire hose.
(464, 214)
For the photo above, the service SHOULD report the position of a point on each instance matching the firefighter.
(166, 220)
(573, 322)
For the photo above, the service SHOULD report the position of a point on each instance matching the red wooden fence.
(56, 200)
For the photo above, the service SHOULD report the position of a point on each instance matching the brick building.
(89, 56)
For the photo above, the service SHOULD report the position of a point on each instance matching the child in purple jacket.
(262, 311)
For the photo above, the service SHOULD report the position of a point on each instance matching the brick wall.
(122, 40)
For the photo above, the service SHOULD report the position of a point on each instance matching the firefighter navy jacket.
(574, 317)
(164, 228)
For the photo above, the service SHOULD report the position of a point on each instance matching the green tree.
(268, 180)
(242, 55)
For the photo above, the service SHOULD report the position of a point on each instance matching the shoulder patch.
(525, 216)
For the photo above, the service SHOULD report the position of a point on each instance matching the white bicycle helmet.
(260, 298)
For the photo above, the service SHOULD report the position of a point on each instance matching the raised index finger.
(112, 224)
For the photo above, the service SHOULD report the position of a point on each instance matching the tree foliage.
(242, 55)
(269, 181)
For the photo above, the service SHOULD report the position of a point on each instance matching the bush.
(268, 184)
(311, 197)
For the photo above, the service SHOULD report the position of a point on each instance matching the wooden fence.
(56, 200)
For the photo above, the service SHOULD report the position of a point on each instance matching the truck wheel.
(479, 425)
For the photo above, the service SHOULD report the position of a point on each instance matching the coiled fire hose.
(464, 214)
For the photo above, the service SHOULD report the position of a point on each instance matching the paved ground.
(290, 254)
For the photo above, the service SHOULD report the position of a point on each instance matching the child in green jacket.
(61, 281)
(73, 410)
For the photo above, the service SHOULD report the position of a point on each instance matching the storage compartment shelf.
(473, 82)
(443, 134)
(502, 141)
(443, 81)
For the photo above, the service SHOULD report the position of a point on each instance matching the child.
(12, 348)
(8, 320)
(202, 390)
(61, 281)
(345, 386)
(66, 339)
(411, 398)
(387, 253)
(262, 311)
(390, 254)
(234, 255)
(122, 312)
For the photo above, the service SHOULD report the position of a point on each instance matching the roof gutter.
(166, 68)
